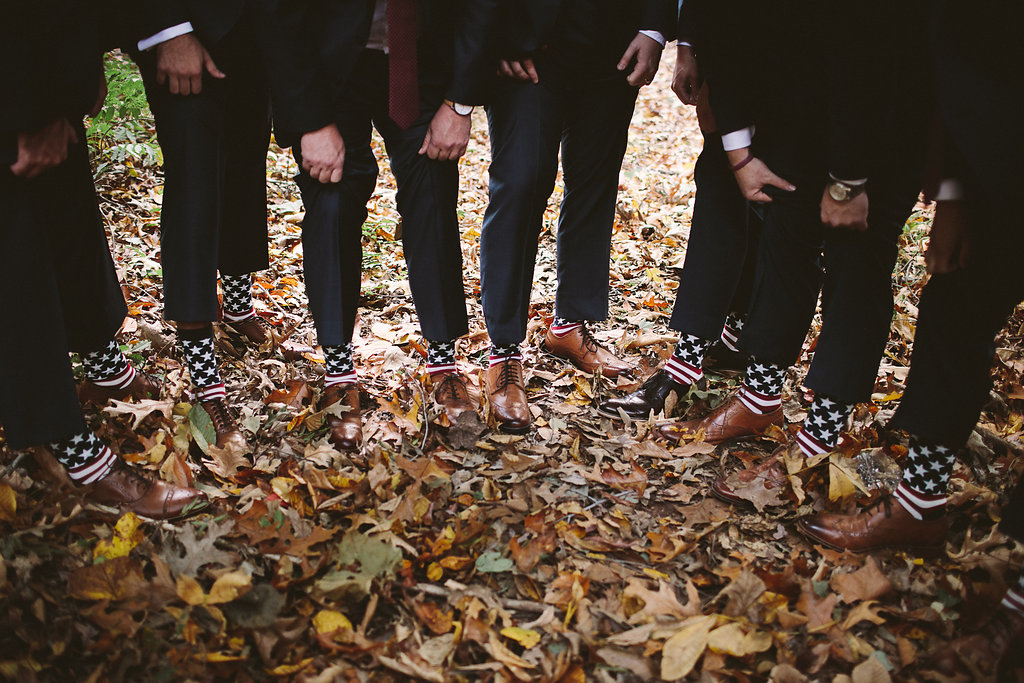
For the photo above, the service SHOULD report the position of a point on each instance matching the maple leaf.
(140, 410)
(643, 604)
(192, 552)
(867, 583)
(226, 462)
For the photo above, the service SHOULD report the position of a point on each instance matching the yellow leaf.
(220, 657)
(228, 587)
(435, 571)
(190, 591)
(126, 536)
(682, 650)
(329, 621)
(524, 636)
(289, 669)
(731, 640)
(8, 503)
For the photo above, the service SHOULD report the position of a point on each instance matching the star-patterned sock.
(826, 419)
(86, 458)
(561, 327)
(731, 332)
(500, 354)
(761, 392)
(1014, 598)
(201, 359)
(108, 367)
(686, 363)
(922, 490)
(441, 358)
(341, 369)
(237, 291)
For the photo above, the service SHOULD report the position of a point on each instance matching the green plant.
(123, 131)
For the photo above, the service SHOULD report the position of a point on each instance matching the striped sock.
(922, 490)
(441, 358)
(761, 392)
(108, 367)
(826, 419)
(561, 327)
(201, 358)
(686, 363)
(212, 392)
(237, 291)
(86, 458)
(1014, 598)
(500, 354)
(731, 332)
(341, 369)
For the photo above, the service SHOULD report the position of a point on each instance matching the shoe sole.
(117, 512)
(920, 551)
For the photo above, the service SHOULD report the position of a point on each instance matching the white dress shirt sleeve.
(655, 35)
(165, 35)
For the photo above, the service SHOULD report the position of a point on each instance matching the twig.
(510, 603)
(14, 464)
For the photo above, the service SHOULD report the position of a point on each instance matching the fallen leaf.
(682, 650)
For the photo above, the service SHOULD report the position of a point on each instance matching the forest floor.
(583, 550)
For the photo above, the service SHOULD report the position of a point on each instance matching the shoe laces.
(219, 415)
(135, 475)
(884, 501)
(508, 374)
(451, 384)
(588, 339)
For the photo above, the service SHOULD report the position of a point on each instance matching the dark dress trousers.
(582, 105)
(835, 110)
(214, 213)
(326, 75)
(60, 291)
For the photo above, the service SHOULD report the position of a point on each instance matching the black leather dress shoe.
(650, 396)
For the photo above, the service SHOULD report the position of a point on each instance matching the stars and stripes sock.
(237, 291)
(441, 358)
(922, 490)
(687, 359)
(201, 359)
(1014, 598)
(826, 419)
(500, 354)
(86, 458)
(561, 327)
(108, 367)
(341, 369)
(731, 332)
(761, 392)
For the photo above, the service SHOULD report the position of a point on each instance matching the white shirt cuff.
(950, 190)
(165, 35)
(655, 35)
(684, 43)
(738, 139)
(855, 183)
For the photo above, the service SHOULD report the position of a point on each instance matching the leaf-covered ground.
(584, 550)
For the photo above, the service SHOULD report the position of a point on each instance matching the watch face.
(463, 109)
(838, 192)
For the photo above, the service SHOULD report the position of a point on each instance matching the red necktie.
(403, 87)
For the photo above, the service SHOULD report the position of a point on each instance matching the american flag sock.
(686, 363)
(731, 332)
(237, 291)
(201, 359)
(441, 358)
(922, 490)
(1014, 598)
(761, 392)
(826, 419)
(500, 353)
(86, 458)
(108, 367)
(341, 369)
(561, 327)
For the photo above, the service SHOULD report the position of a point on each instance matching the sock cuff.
(496, 359)
(682, 371)
(211, 392)
(118, 381)
(237, 317)
(1014, 599)
(730, 338)
(759, 403)
(335, 378)
(919, 505)
(810, 445)
(435, 369)
(95, 468)
(197, 334)
(560, 328)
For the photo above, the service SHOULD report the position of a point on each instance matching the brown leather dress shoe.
(507, 395)
(141, 387)
(255, 330)
(884, 524)
(224, 425)
(731, 420)
(765, 483)
(346, 429)
(145, 494)
(650, 397)
(582, 350)
(451, 392)
(991, 654)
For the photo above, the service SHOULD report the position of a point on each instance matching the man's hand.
(44, 149)
(949, 242)
(323, 154)
(180, 62)
(447, 136)
(519, 69)
(851, 214)
(685, 80)
(755, 176)
(647, 53)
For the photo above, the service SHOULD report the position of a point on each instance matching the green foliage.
(123, 132)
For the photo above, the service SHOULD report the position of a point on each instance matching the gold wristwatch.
(843, 192)
(460, 109)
